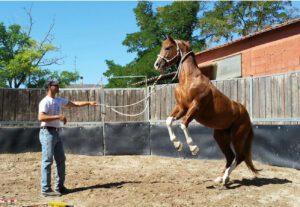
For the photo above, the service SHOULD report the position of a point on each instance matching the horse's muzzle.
(159, 65)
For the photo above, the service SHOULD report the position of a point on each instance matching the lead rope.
(153, 90)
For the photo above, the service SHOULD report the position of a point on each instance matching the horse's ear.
(187, 43)
(170, 38)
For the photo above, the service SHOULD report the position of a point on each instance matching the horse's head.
(168, 56)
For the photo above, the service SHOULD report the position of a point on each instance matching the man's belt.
(50, 128)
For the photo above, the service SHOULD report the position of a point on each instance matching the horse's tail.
(248, 150)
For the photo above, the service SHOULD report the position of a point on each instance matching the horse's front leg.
(176, 114)
(184, 125)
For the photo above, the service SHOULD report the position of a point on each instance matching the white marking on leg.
(173, 138)
(219, 180)
(228, 172)
(193, 148)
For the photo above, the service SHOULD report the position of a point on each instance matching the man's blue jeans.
(52, 146)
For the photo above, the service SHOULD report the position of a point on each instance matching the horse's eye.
(168, 48)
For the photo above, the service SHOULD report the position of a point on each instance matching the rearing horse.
(197, 98)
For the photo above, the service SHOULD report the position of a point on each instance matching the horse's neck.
(188, 69)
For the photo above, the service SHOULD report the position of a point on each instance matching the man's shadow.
(98, 186)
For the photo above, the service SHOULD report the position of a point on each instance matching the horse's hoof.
(219, 180)
(225, 181)
(195, 150)
(178, 146)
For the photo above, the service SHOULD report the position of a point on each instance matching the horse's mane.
(186, 44)
(187, 48)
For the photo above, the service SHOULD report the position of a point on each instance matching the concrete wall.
(274, 145)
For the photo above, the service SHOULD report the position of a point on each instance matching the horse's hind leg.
(222, 137)
(239, 134)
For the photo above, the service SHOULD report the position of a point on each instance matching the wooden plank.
(65, 111)
(227, 88)
(158, 105)
(277, 101)
(241, 95)
(168, 100)
(220, 86)
(99, 96)
(153, 105)
(137, 107)
(6, 105)
(1, 103)
(71, 112)
(294, 96)
(274, 93)
(127, 102)
(233, 90)
(34, 104)
(173, 102)
(288, 96)
(112, 99)
(163, 104)
(268, 94)
(107, 117)
(120, 102)
(79, 111)
(281, 97)
(248, 95)
(141, 105)
(93, 110)
(255, 98)
(85, 97)
(23, 110)
(262, 97)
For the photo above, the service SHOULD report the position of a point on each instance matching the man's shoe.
(63, 190)
(51, 193)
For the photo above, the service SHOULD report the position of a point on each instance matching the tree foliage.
(231, 19)
(22, 59)
(154, 26)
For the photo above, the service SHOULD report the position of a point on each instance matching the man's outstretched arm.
(81, 103)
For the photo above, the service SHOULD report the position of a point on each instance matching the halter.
(179, 53)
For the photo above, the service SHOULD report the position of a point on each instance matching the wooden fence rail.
(269, 100)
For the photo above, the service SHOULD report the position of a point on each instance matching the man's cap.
(51, 83)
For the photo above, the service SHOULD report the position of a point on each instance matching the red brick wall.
(275, 51)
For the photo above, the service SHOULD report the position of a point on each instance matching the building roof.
(253, 34)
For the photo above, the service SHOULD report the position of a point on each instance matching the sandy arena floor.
(149, 181)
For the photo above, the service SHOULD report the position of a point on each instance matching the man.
(51, 120)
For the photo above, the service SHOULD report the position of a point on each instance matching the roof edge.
(296, 20)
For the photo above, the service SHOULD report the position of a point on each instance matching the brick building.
(270, 51)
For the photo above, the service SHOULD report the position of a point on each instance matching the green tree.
(178, 19)
(231, 19)
(22, 59)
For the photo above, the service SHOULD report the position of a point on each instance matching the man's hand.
(93, 103)
(63, 119)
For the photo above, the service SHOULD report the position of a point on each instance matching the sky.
(90, 31)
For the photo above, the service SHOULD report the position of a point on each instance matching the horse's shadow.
(258, 182)
(98, 186)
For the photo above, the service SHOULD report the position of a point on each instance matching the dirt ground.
(148, 181)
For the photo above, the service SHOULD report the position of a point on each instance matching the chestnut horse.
(197, 98)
